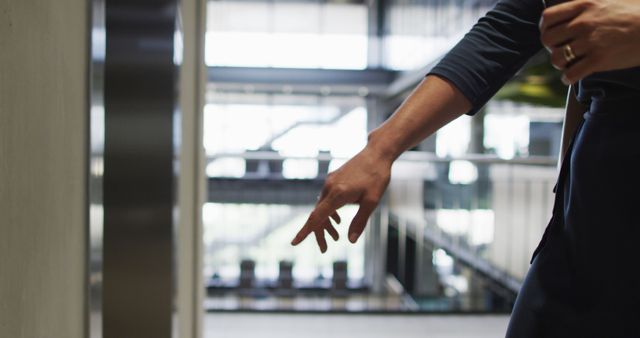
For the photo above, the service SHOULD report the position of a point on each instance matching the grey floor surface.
(245, 325)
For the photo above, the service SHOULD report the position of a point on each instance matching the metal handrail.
(410, 156)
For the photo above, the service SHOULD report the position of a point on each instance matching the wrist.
(382, 146)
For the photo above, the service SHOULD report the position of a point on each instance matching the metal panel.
(96, 168)
(264, 190)
(139, 175)
(324, 81)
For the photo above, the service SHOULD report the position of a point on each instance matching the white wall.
(43, 137)
(191, 182)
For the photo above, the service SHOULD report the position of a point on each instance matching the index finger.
(561, 13)
(304, 232)
(326, 207)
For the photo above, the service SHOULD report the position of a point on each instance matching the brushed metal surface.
(139, 172)
(96, 168)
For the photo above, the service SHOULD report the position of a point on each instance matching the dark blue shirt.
(502, 42)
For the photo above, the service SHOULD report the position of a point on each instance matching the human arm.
(467, 77)
(364, 178)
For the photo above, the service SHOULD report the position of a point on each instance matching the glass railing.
(458, 233)
(483, 213)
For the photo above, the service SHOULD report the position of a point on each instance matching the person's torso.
(611, 88)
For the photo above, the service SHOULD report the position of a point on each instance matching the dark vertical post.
(139, 175)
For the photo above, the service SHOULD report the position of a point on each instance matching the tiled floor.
(269, 325)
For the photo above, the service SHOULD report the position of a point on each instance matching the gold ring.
(569, 56)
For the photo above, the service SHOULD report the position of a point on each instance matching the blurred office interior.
(157, 157)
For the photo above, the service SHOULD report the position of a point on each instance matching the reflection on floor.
(353, 299)
(349, 303)
(268, 325)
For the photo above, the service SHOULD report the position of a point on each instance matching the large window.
(293, 126)
(420, 32)
(286, 34)
(295, 129)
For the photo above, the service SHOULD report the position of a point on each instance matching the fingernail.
(293, 242)
(565, 80)
(353, 237)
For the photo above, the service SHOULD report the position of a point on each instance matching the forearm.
(434, 103)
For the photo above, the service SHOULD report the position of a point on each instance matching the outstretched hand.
(365, 177)
(588, 36)
(362, 180)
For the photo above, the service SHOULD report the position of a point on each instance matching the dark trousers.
(585, 279)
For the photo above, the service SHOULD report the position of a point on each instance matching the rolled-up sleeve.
(493, 51)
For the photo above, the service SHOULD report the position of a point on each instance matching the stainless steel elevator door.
(139, 177)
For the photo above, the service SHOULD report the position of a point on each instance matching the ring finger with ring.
(566, 55)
